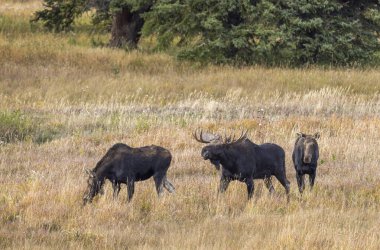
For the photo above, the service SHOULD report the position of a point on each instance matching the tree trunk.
(126, 28)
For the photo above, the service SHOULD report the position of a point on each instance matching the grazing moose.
(305, 158)
(244, 161)
(124, 164)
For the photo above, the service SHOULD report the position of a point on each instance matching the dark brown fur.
(124, 164)
(245, 161)
(305, 158)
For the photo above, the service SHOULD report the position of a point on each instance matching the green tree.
(242, 32)
(272, 32)
(58, 15)
(329, 32)
(223, 31)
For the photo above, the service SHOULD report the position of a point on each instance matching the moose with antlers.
(243, 160)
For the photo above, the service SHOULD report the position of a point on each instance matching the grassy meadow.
(64, 101)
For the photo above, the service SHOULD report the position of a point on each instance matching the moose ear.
(299, 134)
(316, 136)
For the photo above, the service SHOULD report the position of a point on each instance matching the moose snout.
(307, 159)
(205, 155)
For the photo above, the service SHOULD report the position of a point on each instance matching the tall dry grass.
(76, 100)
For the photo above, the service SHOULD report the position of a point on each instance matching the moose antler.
(243, 136)
(89, 172)
(227, 139)
(205, 137)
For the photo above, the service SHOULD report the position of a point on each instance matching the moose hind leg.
(168, 186)
(131, 188)
(286, 184)
(159, 181)
(250, 187)
(268, 184)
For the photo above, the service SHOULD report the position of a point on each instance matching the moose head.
(310, 145)
(94, 186)
(215, 150)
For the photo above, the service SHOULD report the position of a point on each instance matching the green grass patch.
(9, 25)
(143, 125)
(16, 126)
(48, 132)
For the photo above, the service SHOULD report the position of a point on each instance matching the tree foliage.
(58, 15)
(329, 32)
(242, 32)
(271, 32)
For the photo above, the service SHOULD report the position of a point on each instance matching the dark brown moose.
(124, 164)
(305, 158)
(244, 160)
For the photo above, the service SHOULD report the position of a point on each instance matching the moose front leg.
(224, 182)
(312, 179)
(250, 187)
(300, 182)
(116, 189)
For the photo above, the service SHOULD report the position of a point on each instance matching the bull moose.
(243, 160)
(305, 158)
(124, 164)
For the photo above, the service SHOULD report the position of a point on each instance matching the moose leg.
(250, 187)
(286, 184)
(159, 180)
(116, 189)
(224, 182)
(268, 184)
(168, 186)
(131, 188)
(312, 179)
(300, 182)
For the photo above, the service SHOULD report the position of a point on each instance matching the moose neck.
(98, 181)
(227, 158)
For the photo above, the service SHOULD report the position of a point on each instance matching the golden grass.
(94, 97)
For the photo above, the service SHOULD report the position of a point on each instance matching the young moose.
(244, 161)
(124, 164)
(305, 158)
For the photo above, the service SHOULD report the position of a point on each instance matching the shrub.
(15, 126)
